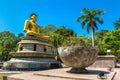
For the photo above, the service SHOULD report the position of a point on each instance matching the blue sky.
(13, 13)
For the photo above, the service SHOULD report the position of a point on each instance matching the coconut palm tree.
(90, 17)
(117, 24)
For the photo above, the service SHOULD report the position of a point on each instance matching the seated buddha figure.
(31, 28)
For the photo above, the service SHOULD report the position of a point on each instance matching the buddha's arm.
(38, 29)
(26, 25)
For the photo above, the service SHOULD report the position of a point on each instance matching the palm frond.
(100, 12)
(117, 24)
(86, 19)
(88, 27)
(95, 26)
(85, 11)
(93, 12)
(100, 20)
(82, 24)
(80, 18)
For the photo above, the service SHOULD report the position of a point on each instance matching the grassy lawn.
(4, 74)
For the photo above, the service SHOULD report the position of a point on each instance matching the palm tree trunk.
(93, 44)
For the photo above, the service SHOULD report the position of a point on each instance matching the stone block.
(40, 48)
(28, 47)
(105, 62)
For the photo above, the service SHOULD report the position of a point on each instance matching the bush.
(118, 55)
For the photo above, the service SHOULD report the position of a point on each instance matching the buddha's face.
(33, 18)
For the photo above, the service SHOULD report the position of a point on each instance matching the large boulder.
(78, 57)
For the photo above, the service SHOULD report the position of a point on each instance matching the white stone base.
(30, 64)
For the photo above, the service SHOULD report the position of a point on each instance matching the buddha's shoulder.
(27, 21)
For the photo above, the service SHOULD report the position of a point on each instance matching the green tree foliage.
(62, 30)
(56, 35)
(56, 40)
(48, 29)
(101, 34)
(111, 41)
(20, 35)
(117, 24)
(65, 32)
(90, 17)
(8, 43)
(98, 40)
(75, 41)
(118, 54)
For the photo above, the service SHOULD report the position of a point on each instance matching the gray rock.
(78, 56)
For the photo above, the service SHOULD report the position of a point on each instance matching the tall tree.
(48, 29)
(98, 40)
(111, 41)
(56, 40)
(20, 35)
(65, 32)
(117, 24)
(8, 43)
(90, 17)
(75, 40)
(101, 33)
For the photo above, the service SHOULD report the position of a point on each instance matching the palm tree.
(90, 17)
(117, 24)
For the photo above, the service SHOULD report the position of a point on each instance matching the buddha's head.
(33, 17)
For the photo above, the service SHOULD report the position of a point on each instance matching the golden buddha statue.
(31, 28)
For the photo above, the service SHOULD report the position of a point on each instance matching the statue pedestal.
(26, 64)
(106, 61)
(35, 54)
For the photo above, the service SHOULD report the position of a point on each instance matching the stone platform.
(32, 54)
(61, 74)
(105, 62)
(30, 64)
